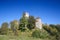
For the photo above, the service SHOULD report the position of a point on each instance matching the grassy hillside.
(47, 33)
(27, 35)
(21, 37)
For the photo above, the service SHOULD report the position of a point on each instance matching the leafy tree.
(55, 31)
(0, 30)
(52, 25)
(58, 27)
(31, 22)
(58, 33)
(22, 27)
(14, 26)
(51, 30)
(23, 23)
(4, 28)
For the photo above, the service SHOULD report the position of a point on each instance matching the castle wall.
(38, 23)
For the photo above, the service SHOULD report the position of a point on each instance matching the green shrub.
(40, 34)
(51, 30)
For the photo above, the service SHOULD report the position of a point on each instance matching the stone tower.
(38, 23)
(26, 14)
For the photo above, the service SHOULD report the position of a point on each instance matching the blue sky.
(47, 10)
